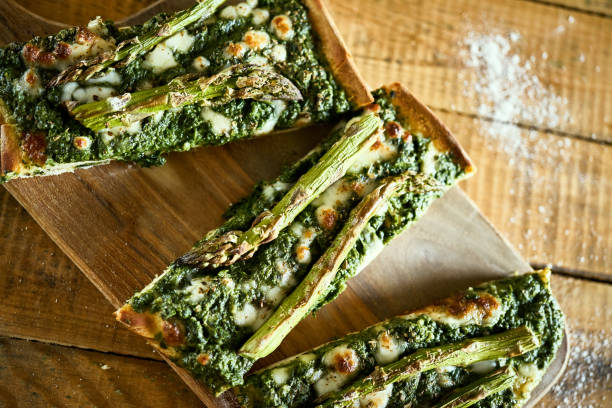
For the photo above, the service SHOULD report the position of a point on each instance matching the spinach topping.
(212, 319)
(525, 300)
(42, 111)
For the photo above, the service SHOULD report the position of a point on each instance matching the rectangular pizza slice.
(52, 88)
(295, 241)
(489, 345)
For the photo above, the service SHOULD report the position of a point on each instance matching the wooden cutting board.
(122, 225)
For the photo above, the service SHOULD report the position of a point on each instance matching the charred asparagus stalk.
(127, 51)
(228, 248)
(313, 289)
(478, 390)
(235, 82)
(508, 344)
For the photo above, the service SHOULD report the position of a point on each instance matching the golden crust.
(10, 152)
(152, 326)
(337, 55)
(461, 307)
(422, 119)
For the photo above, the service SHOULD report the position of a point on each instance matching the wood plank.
(588, 309)
(80, 12)
(41, 375)
(45, 297)
(76, 373)
(421, 44)
(603, 7)
(550, 196)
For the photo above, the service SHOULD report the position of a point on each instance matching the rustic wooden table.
(527, 88)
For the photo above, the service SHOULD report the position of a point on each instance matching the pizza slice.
(489, 345)
(89, 95)
(297, 240)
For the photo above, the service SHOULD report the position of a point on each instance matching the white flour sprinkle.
(588, 373)
(506, 90)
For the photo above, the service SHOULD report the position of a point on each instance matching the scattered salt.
(588, 373)
(507, 91)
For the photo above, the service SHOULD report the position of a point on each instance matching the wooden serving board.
(122, 225)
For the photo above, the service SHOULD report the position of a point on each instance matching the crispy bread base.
(333, 48)
(422, 119)
(10, 152)
(337, 55)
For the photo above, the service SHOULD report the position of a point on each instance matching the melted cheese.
(330, 382)
(256, 39)
(200, 63)
(219, 123)
(279, 53)
(259, 60)
(429, 160)
(381, 150)
(378, 399)
(108, 135)
(529, 375)
(180, 42)
(270, 123)
(260, 16)
(197, 289)
(92, 93)
(334, 379)
(306, 237)
(483, 367)
(280, 375)
(282, 27)
(269, 191)
(228, 13)
(243, 9)
(235, 50)
(97, 26)
(81, 142)
(30, 82)
(111, 77)
(335, 195)
(473, 317)
(160, 59)
(67, 91)
(83, 51)
(274, 294)
(389, 349)
(245, 316)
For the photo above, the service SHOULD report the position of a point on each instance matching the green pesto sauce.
(210, 324)
(526, 300)
(324, 100)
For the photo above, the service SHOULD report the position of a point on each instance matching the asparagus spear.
(508, 344)
(228, 248)
(235, 82)
(128, 50)
(317, 283)
(479, 390)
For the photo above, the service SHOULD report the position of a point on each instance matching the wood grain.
(422, 43)
(603, 7)
(56, 378)
(551, 198)
(573, 195)
(45, 297)
(40, 375)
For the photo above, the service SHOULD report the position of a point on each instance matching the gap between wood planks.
(596, 11)
(574, 273)
(525, 126)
